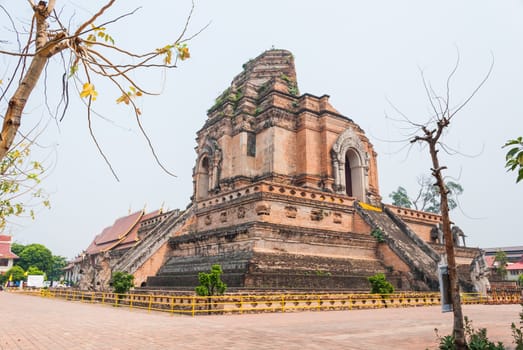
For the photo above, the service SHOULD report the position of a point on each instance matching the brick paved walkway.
(29, 322)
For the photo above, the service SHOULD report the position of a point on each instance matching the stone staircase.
(182, 271)
(412, 250)
(159, 235)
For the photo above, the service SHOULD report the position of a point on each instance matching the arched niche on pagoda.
(350, 165)
(208, 168)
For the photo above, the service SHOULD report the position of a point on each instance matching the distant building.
(514, 258)
(93, 267)
(514, 254)
(6, 256)
(514, 271)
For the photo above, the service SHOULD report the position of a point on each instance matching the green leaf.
(512, 152)
(73, 70)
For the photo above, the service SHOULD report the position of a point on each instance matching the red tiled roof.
(122, 234)
(5, 248)
(515, 266)
(120, 228)
(132, 238)
(78, 259)
(5, 238)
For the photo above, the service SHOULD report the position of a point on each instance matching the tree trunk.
(458, 329)
(17, 104)
(44, 49)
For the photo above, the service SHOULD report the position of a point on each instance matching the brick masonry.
(277, 179)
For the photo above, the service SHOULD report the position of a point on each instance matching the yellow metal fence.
(239, 304)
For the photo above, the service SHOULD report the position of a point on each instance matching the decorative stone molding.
(317, 214)
(241, 212)
(263, 209)
(291, 211)
(207, 220)
(337, 218)
(456, 234)
(479, 273)
(223, 216)
(436, 235)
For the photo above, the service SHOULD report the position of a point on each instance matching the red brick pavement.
(30, 322)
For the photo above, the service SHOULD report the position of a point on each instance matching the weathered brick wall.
(390, 258)
(359, 225)
(288, 205)
(152, 265)
(418, 221)
(263, 252)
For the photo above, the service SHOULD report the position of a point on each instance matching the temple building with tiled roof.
(6, 256)
(92, 268)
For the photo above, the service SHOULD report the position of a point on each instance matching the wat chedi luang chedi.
(286, 196)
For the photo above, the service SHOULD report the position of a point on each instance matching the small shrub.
(476, 339)
(517, 332)
(380, 285)
(446, 342)
(211, 283)
(378, 234)
(122, 282)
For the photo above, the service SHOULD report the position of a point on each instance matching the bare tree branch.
(478, 87)
(92, 19)
(427, 91)
(447, 100)
(50, 6)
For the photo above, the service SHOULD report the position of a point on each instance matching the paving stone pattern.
(29, 322)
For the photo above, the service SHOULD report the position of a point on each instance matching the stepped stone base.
(262, 255)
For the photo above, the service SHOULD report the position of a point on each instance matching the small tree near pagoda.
(122, 282)
(211, 283)
(380, 285)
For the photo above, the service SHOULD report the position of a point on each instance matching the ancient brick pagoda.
(276, 182)
(286, 196)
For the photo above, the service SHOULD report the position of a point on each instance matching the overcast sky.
(366, 55)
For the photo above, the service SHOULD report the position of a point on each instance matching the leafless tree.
(431, 134)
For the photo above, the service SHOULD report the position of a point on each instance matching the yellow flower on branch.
(89, 91)
(100, 32)
(183, 52)
(126, 97)
(166, 50)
